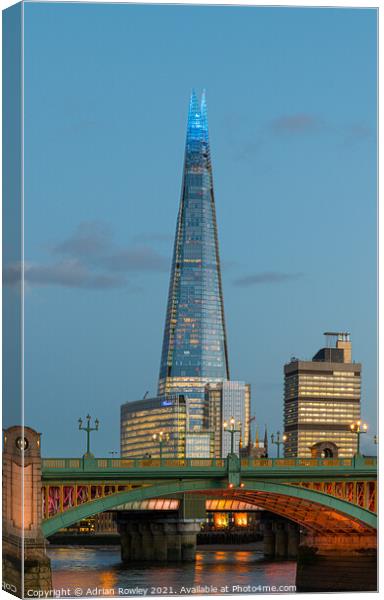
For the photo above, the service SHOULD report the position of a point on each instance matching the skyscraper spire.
(194, 345)
(204, 118)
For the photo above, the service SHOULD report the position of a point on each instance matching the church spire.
(266, 441)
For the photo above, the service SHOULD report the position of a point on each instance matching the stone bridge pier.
(337, 563)
(281, 539)
(26, 567)
(156, 537)
(160, 540)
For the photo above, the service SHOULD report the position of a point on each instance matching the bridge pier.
(188, 533)
(293, 538)
(159, 543)
(157, 540)
(281, 539)
(173, 540)
(268, 540)
(26, 567)
(337, 563)
(145, 541)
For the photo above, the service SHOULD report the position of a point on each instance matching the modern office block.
(143, 419)
(225, 400)
(199, 444)
(321, 400)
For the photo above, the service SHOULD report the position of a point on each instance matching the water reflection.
(96, 567)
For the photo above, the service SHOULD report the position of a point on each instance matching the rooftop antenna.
(342, 336)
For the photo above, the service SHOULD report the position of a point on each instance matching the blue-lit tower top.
(195, 346)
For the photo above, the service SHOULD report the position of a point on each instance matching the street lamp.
(278, 441)
(359, 428)
(232, 430)
(88, 430)
(160, 437)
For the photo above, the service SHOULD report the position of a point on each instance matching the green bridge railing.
(219, 463)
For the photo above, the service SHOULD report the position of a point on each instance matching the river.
(98, 571)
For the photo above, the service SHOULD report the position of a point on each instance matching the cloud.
(266, 277)
(296, 123)
(89, 259)
(70, 273)
(141, 258)
(90, 238)
(67, 273)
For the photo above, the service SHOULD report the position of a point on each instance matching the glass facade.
(199, 444)
(142, 419)
(225, 400)
(322, 399)
(194, 347)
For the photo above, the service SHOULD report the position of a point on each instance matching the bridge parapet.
(116, 464)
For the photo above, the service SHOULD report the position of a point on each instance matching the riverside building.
(141, 420)
(321, 400)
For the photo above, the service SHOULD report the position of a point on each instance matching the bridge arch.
(312, 509)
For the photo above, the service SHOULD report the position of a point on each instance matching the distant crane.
(145, 395)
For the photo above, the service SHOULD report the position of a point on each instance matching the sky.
(291, 96)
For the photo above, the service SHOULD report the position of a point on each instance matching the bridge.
(332, 501)
(323, 495)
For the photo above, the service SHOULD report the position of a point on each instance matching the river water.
(97, 571)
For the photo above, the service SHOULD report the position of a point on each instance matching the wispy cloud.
(70, 273)
(266, 278)
(90, 238)
(142, 258)
(296, 124)
(89, 259)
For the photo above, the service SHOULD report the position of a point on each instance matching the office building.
(199, 444)
(143, 419)
(225, 400)
(321, 400)
(194, 348)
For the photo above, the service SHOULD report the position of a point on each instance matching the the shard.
(195, 346)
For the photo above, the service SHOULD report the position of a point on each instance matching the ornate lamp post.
(359, 428)
(160, 437)
(278, 442)
(88, 430)
(232, 430)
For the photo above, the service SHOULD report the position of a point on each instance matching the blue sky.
(292, 114)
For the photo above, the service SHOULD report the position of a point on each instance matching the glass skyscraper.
(195, 346)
